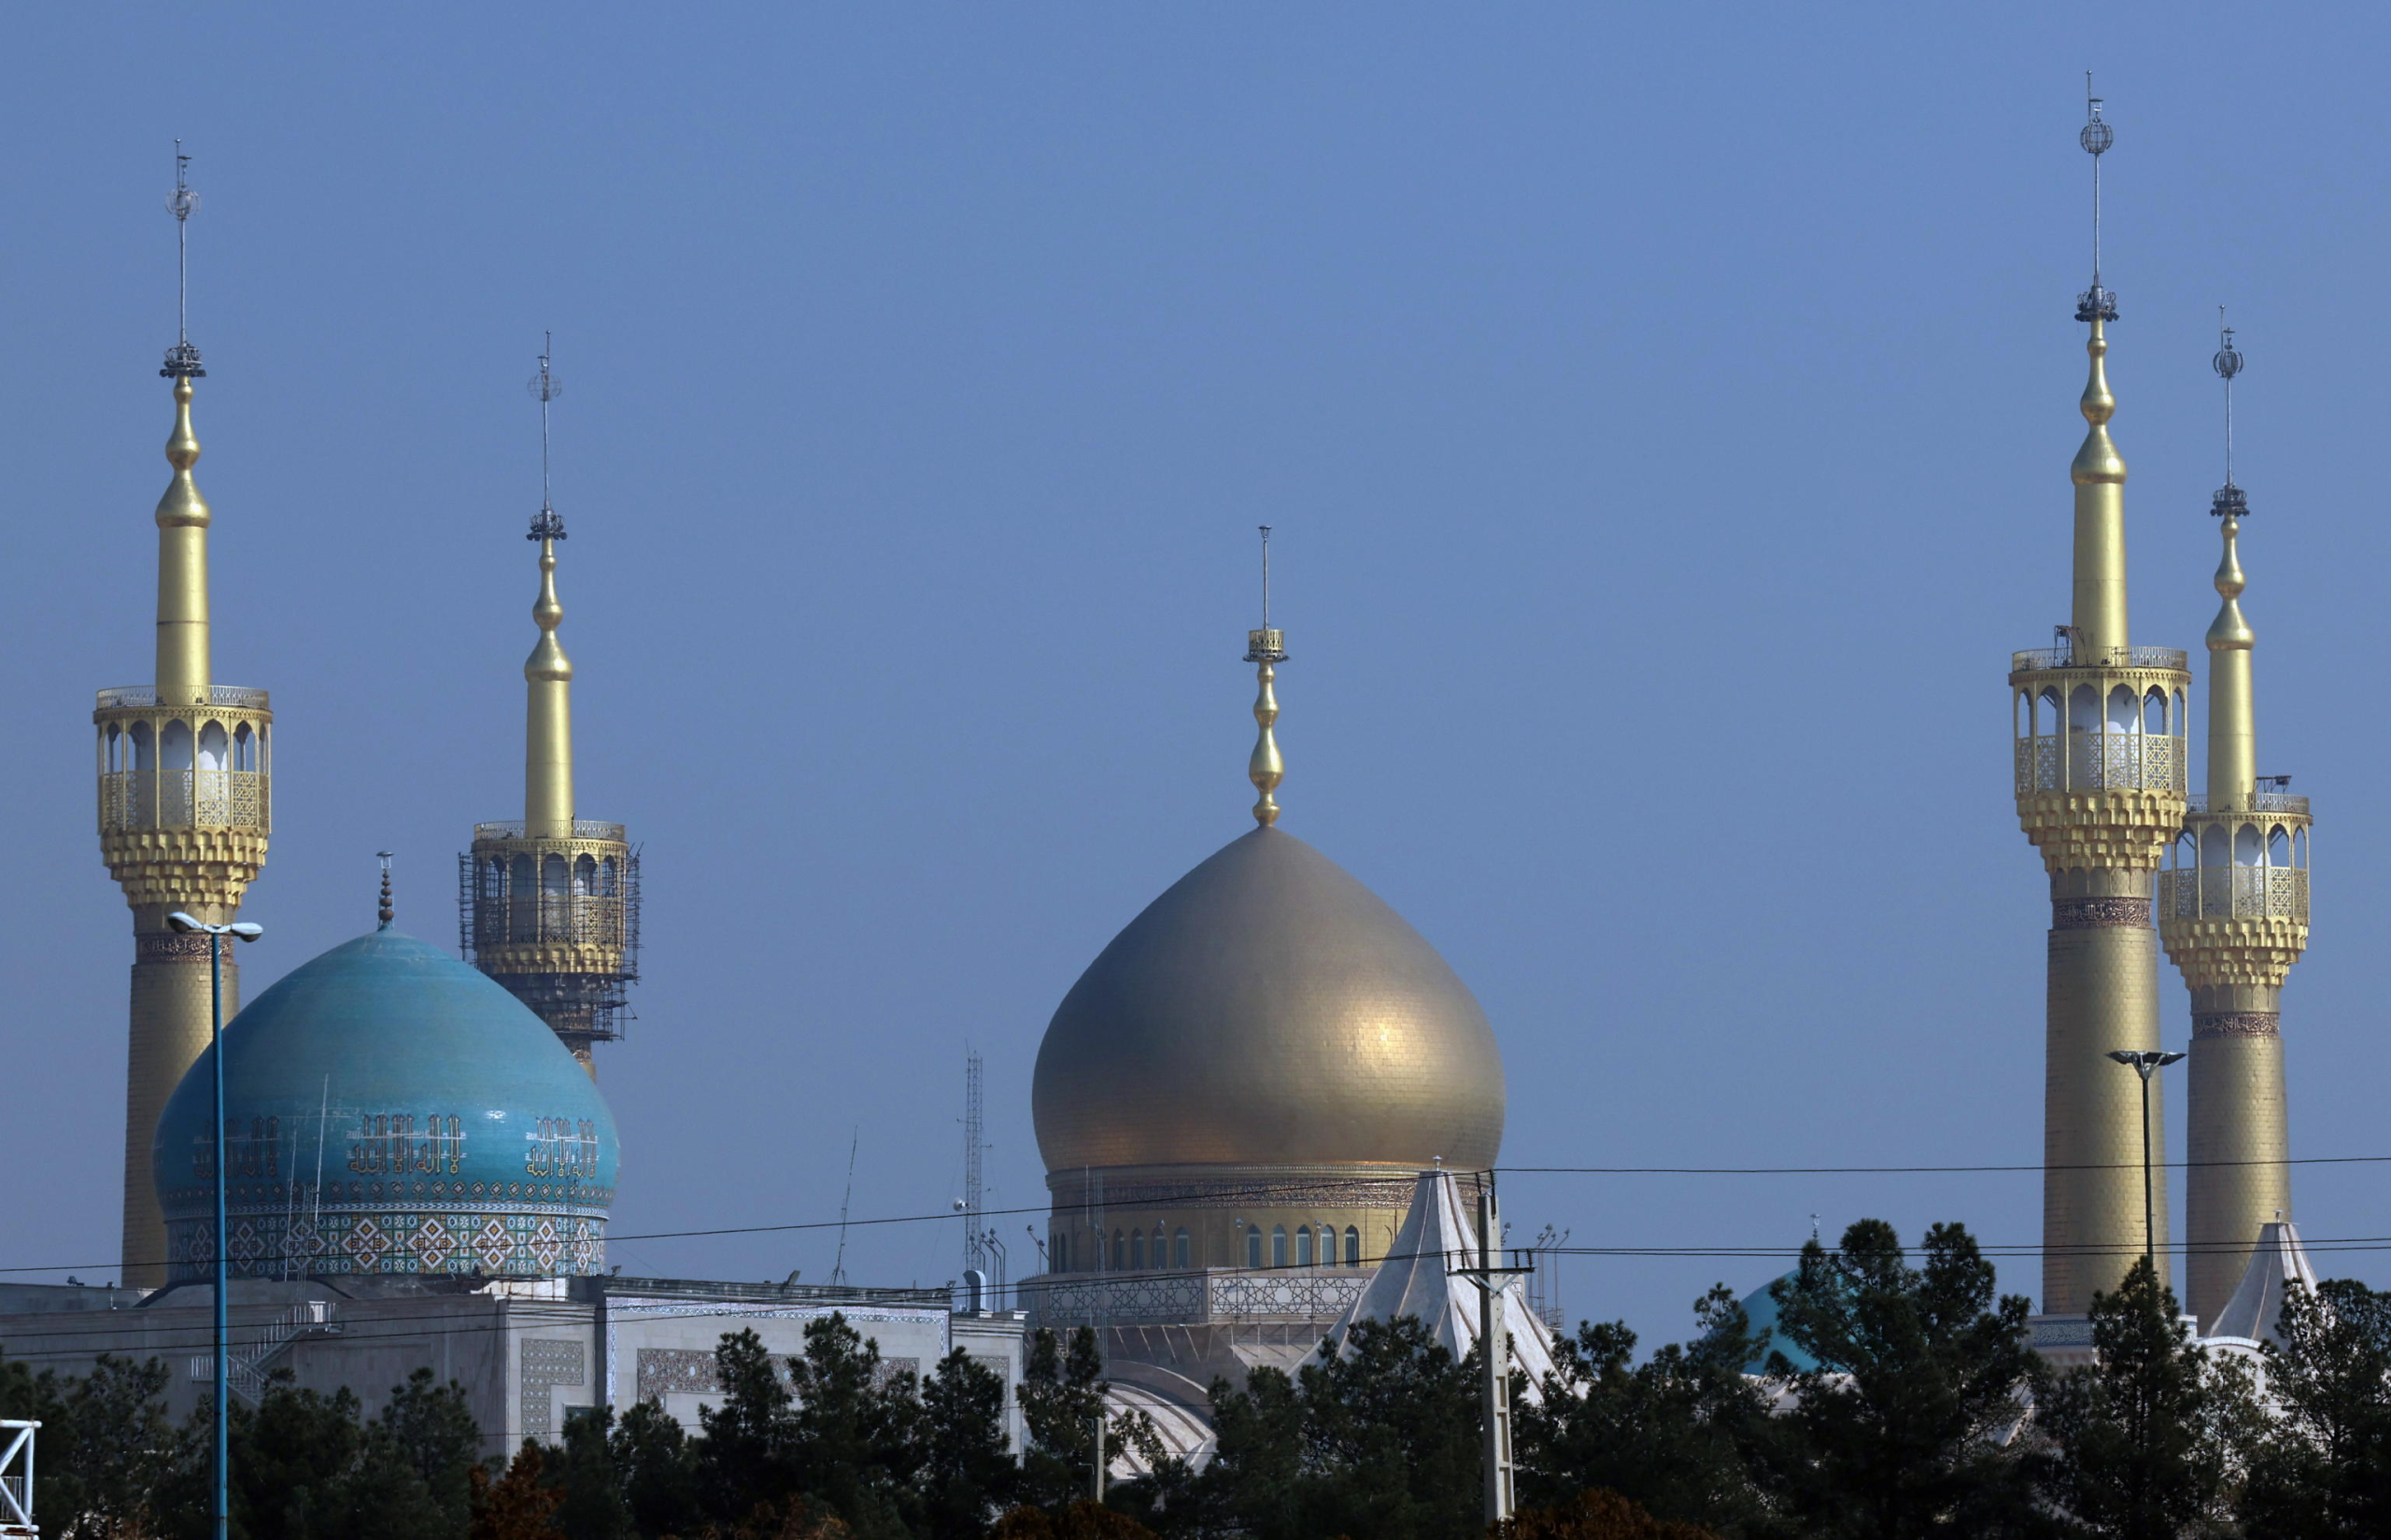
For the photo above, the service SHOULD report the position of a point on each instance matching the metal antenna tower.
(839, 1265)
(975, 1242)
(545, 387)
(2229, 501)
(182, 360)
(2096, 303)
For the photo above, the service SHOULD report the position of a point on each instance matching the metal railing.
(2101, 761)
(183, 799)
(2233, 893)
(246, 1362)
(2264, 802)
(238, 697)
(583, 828)
(2037, 659)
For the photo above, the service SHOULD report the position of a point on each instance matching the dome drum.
(1127, 1219)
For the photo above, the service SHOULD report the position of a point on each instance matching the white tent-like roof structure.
(2279, 1264)
(1418, 1279)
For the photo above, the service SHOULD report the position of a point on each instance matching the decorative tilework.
(676, 1371)
(2100, 914)
(546, 1365)
(2238, 1023)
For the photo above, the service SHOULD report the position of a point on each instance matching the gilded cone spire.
(1266, 647)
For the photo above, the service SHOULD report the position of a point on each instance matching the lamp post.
(219, 1483)
(2146, 1064)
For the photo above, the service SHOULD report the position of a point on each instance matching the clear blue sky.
(1666, 413)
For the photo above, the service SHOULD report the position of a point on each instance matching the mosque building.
(1267, 1110)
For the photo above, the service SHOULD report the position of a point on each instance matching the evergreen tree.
(1062, 1395)
(744, 1457)
(1906, 1437)
(431, 1428)
(659, 1467)
(1671, 1436)
(967, 1474)
(517, 1504)
(852, 1437)
(596, 1504)
(106, 1455)
(1380, 1440)
(2146, 1439)
(2323, 1471)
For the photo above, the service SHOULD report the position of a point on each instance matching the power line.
(1265, 1191)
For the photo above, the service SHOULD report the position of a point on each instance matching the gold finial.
(547, 777)
(182, 517)
(2098, 610)
(386, 913)
(2232, 707)
(1267, 647)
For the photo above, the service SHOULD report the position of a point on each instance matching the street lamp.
(221, 1483)
(2146, 1064)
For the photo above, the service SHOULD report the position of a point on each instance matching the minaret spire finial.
(547, 761)
(2232, 710)
(386, 913)
(1266, 647)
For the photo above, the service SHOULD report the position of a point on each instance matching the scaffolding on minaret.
(549, 906)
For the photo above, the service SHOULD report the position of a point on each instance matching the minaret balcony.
(2247, 860)
(2118, 726)
(198, 767)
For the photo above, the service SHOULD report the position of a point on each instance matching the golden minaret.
(184, 809)
(2100, 729)
(2233, 912)
(550, 905)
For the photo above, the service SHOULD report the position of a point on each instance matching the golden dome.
(1268, 1010)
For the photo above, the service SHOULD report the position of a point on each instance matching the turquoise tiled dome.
(389, 1109)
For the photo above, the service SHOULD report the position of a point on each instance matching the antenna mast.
(2096, 303)
(545, 387)
(182, 360)
(2229, 501)
(839, 1265)
(975, 1243)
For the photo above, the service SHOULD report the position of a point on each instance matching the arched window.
(522, 910)
(1138, 1249)
(1278, 1246)
(607, 877)
(2047, 715)
(245, 748)
(2214, 851)
(1254, 1245)
(145, 748)
(1120, 1251)
(2278, 847)
(584, 877)
(1162, 1256)
(1328, 1246)
(2246, 848)
(553, 881)
(1179, 1257)
(215, 747)
(2083, 710)
(112, 750)
(2300, 848)
(174, 745)
(2123, 718)
(1303, 1245)
(1352, 1247)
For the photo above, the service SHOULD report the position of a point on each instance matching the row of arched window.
(2246, 845)
(1138, 1249)
(177, 746)
(2045, 714)
(1308, 1251)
